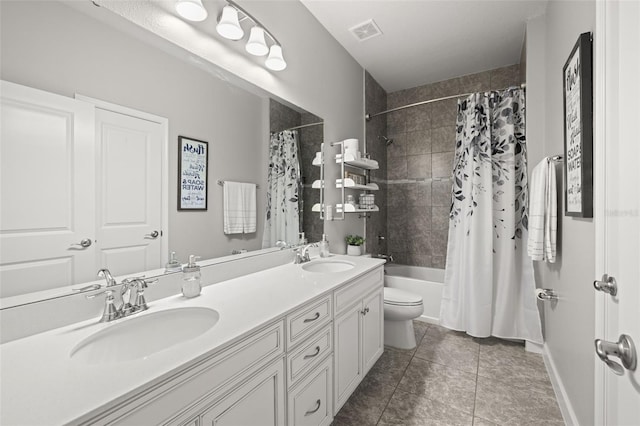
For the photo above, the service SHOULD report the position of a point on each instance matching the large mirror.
(68, 49)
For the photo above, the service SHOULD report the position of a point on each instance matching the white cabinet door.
(348, 354)
(129, 192)
(47, 186)
(372, 330)
(258, 402)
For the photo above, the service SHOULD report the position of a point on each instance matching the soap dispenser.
(191, 278)
(172, 265)
(324, 246)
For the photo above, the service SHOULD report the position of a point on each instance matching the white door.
(618, 394)
(47, 226)
(129, 192)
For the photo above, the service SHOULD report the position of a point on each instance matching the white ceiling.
(424, 41)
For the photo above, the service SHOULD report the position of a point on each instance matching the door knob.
(623, 349)
(152, 235)
(607, 284)
(86, 242)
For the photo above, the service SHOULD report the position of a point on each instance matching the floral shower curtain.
(282, 221)
(489, 284)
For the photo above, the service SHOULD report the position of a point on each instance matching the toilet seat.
(397, 297)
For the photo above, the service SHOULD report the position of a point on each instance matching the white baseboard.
(428, 319)
(535, 348)
(568, 414)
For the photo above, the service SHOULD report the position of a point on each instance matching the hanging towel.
(239, 207)
(543, 219)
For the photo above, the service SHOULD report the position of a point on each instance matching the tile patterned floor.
(454, 379)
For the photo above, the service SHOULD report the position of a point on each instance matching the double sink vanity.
(285, 345)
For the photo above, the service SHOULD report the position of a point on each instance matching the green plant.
(354, 240)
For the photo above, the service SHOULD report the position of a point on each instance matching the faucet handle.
(110, 311)
(107, 291)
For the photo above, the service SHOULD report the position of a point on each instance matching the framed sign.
(193, 166)
(578, 129)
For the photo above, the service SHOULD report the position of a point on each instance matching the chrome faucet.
(302, 253)
(115, 307)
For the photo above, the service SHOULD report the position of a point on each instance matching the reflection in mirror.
(303, 133)
(196, 99)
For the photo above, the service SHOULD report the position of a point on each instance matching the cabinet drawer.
(310, 354)
(175, 400)
(307, 319)
(310, 402)
(354, 291)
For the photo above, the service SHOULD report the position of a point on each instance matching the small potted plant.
(354, 245)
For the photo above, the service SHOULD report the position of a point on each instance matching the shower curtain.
(489, 285)
(282, 221)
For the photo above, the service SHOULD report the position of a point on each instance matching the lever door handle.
(607, 284)
(153, 235)
(84, 243)
(624, 349)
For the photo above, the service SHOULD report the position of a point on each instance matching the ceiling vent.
(365, 30)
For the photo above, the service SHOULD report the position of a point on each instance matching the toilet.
(400, 309)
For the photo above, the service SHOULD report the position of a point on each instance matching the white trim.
(164, 123)
(568, 413)
(600, 59)
(536, 348)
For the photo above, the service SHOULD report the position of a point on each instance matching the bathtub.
(426, 282)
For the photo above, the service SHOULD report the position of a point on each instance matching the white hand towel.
(543, 220)
(239, 209)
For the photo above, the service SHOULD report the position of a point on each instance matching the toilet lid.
(394, 296)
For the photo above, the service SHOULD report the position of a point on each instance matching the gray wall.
(569, 323)
(52, 47)
(419, 164)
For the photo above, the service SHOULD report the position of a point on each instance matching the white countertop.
(41, 384)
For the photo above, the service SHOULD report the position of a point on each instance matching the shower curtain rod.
(368, 117)
(302, 127)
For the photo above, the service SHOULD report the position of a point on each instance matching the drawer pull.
(313, 355)
(310, 412)
(312, 319)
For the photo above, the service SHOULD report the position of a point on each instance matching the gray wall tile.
(443, 139)
(442, 164)
(418, 142)
(419, 166)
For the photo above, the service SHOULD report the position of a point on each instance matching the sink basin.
(138, 337)
(328, 266)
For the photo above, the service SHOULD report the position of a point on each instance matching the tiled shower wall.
(376, 101)
(282, 117)
(419, 164)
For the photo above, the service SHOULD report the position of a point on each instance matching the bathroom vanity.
(286, 345)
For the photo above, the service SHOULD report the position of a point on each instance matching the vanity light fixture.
(229, 27)
(193, 10)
